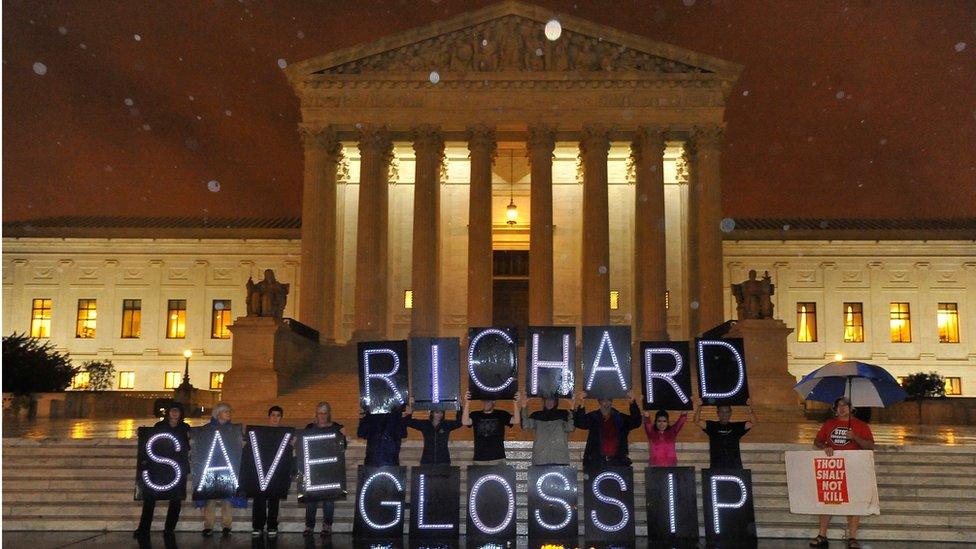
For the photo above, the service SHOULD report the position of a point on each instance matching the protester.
(265, 510)
(606, 443)
(173, 422)
(552, 427)
(724, 435)
(842, 432)
(383, 434)
(436, 432)
(323, 422)
(489, 429)
(661, 436)
(220, 416)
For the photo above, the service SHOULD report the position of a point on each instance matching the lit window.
(948, 323)
(853, 323)
(216, 380)
(806, 322)
(408, 299)
(220, 319)
(614, 300)
(81, 381)
(900, 323)
(41, 318)
(176, 319)
(953, 386)
(85, 327)
(127, 380)
(131, 318)
(173, 380)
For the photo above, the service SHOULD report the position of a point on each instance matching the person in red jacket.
(842, 432)
(661, 436)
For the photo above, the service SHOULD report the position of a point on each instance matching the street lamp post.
(184, 393)
(186, 369)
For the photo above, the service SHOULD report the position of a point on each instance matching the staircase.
(60, 485)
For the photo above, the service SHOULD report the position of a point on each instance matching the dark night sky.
(861, 108)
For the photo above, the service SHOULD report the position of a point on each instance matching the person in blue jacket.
(383, 434)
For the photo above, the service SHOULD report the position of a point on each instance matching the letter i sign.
(831, 475)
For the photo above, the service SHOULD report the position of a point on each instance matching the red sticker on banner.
(831, 475)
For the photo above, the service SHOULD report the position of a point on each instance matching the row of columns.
(322, 157)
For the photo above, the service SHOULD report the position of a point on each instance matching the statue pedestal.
(770, 383)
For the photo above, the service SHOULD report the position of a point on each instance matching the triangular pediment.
(510, 37)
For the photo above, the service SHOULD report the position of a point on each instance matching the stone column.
(376, 152)
(428, 145)
(689, 155)
(323, 152)
(708, 141)
(595, 280)
(650, 254)
(481, 143)
(541, 143)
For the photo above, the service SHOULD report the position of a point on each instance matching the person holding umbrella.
(842, 432)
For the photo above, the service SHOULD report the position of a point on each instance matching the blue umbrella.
(864, 384)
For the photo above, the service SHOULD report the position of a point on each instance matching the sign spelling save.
(831, 475)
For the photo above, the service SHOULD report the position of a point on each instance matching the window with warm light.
(853, 322)
(953, 386)
(131, 318)
(81, 381)
(176, 319)
(87, 313)
(806, 322)
(900, 322)
(172, 380)
(948, 318)
(216, 381)
(127, 380)
(408, 299)
(220, 319)
(40, 318)
(614, 300)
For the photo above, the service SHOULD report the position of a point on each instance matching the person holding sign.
(265, 510)
(661, 436)
(221, 414)
(489, 429)
(383, 434)
(173, 423)
(552, 427)
(323, 422)
(606, 444)
(436, 432)
(724, 435)
(842, 432)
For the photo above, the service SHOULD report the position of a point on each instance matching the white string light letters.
(473, 509)
(566, 374)
(603, 498)
(666, 376)
(420, 510)
(606, 342)
(395, 504)
(718, 505)
(552, 499)
(385, 377)
(435, 366)
(163, 461)
(672, 522)
(309, 462)
(705, 393)
(265, 479)
(207, 467)
(471, 361)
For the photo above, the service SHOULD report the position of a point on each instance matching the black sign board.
(215, 456)
(551, 361)
(606, 361)
(380, 502)
(609, 503)
(722, 372)
(435, 373)
(491, 502)
(492, 363)
(434, 494)
(383, 376)
(162, 464)
(672, 505)
(320, 464)
(728, 507)
(552, 512)
(666, 375)
(267, 463)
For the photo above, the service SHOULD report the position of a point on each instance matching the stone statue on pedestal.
(266, 298)
(754, 297)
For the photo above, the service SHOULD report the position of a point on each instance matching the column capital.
(542, 138)
(428, 139)
(482, 138)
(376, 139)
(320, 137)
(708, 136)
(649, 139)
(595, 139)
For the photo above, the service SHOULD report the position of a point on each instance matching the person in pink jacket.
(660, 438)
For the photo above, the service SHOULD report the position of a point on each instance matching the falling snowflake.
(282, 63)
(693, 305)
(960, 46)
(128, 102)
(137, 38)
(688, 3)
(745, 93)
(40, 69)
(62, 30)
(553, 30)
(435, 77)
(727, 225)
(227, 112)
(213, 186)
(301, 34)
(839, 95)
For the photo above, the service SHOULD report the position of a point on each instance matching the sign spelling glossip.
(672, 505)
(609, 503)
(321, 464)
(382, 376)
(728, 508)
(492, 363)
(434, 492)
(435, 373)
(491, 502)
(266, 464)
(552, 512)
(722, 372)
(162, 464)
(215, 456)
(666, 375)
(551, 361)
(380, 501)
(606, 361)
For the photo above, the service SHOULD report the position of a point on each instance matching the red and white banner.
(841, 484)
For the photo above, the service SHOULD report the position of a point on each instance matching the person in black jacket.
(383, 434)
(606, 443)
(174, 423)
(436, 431)
(323, 422)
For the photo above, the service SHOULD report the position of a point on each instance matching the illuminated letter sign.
(606, 361)
(435, 373)
(492, 363)
(435, 491)
(552, 361)
(215, 453)
(379, 503)
(666, 375)
(491, 501)
(728, 508)
(722, 372)
(383, 375)
(321, 464)
(162, 464)
(609, 501)
(552, 503)
(672, 505)
(267, 462)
